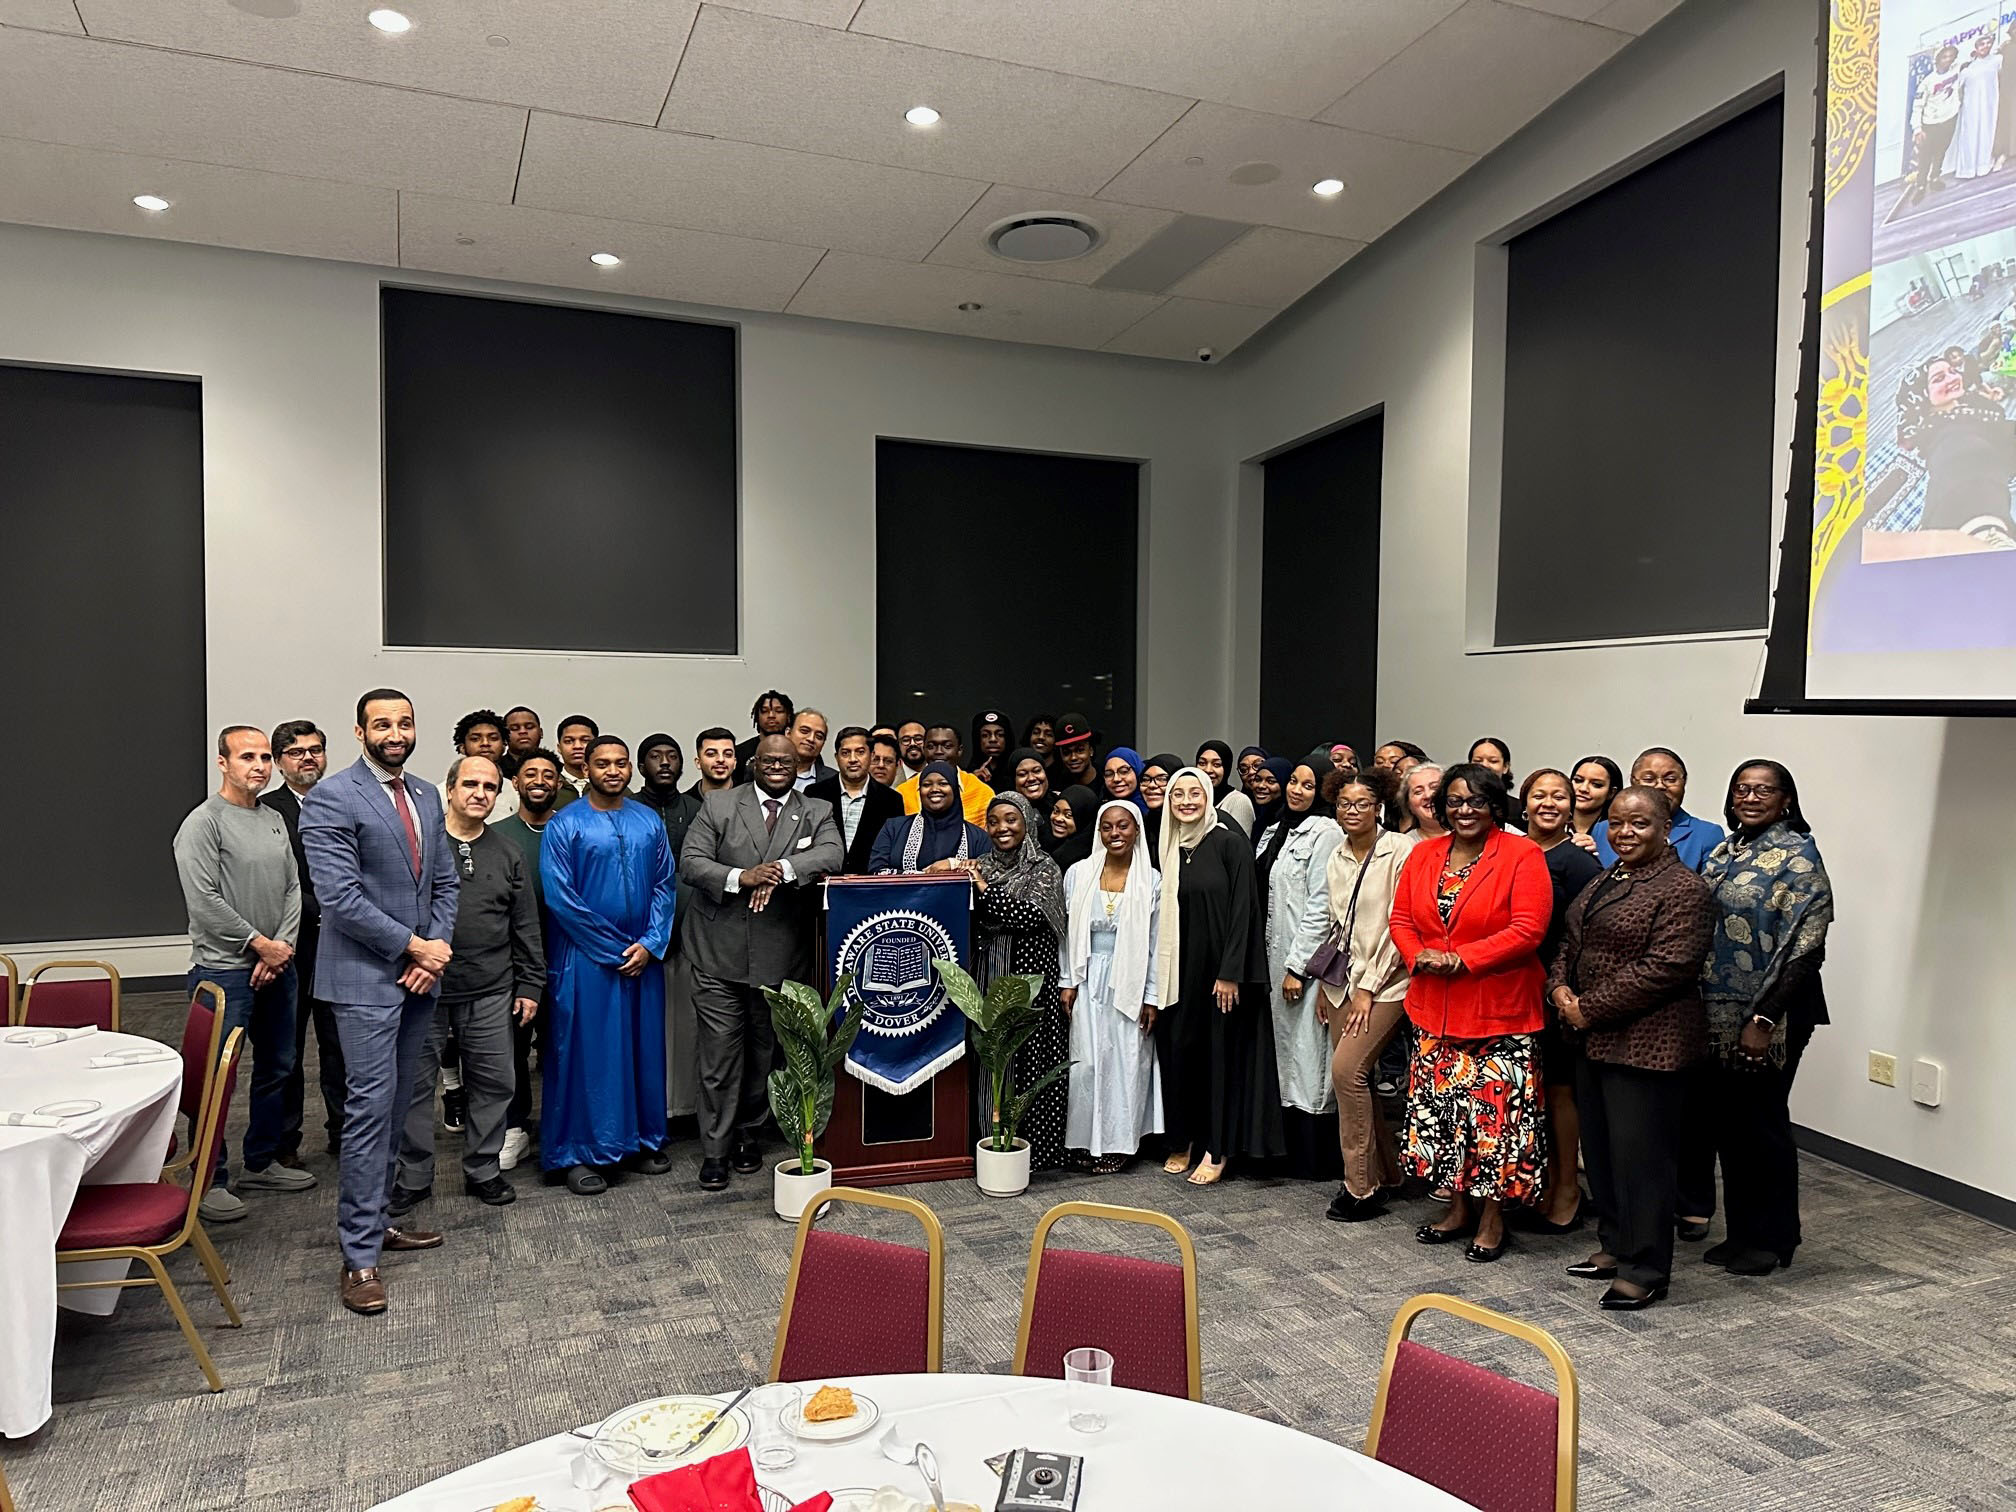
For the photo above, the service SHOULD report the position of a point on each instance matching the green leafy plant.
(1003, 1018)
(813, 1038)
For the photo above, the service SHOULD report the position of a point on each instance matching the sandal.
(1207, 1174)
(1109, 1165)
(1178, 1163)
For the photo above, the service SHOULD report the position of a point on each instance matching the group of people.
(1963, 120)
(1229, 949)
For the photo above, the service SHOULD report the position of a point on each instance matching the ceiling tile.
(86, 190)
(546, 247)
(927, 298)
(1385, 179)
(1477, 78)
(1181, 326)
(107, 95)
(1125, 228)
(634, 173)
(44, 15)
(610, 58)
(757, 79)
(813, 12)
(1635, 16)
(1291, 57)
(1268, 268)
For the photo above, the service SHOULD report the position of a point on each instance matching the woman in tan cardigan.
(1363, 998)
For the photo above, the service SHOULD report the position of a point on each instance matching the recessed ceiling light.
(1328, 187)
(971, 305)
(605, 259)
(921, 115)
(391, 21)
(150, 202)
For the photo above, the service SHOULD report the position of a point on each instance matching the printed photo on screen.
(1945, 124)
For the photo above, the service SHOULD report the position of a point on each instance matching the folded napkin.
(130, 1058)
(36, 1035)
(725, 1483)
(29, 1121)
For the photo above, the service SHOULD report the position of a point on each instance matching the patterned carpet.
(1880, 1372)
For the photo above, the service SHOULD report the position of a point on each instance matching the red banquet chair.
(72, 1003)
(855, 1306)
(150, 1220)
(1142, 1312)
(201, 1032)
(1494, 1442)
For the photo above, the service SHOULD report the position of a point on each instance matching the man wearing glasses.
(494, 978)
(301, 752)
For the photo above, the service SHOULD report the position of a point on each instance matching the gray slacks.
(682, 1039)
(482, 1027)
(381, 1054)
(736, 1043)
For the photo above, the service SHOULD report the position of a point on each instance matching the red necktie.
(770, 808)
(398, 786)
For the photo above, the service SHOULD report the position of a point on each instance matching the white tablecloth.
(126, 1139)
(1156, 1454)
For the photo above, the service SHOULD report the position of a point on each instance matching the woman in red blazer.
(1468, 916)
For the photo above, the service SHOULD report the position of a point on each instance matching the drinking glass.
(774, 1413)
(1085, 1370)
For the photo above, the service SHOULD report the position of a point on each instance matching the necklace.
(1111, 900)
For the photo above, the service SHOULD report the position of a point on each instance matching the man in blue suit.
(386, 877)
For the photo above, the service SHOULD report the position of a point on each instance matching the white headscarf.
(1178, 837)
(1131, 919)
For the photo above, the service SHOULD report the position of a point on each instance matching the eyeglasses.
(1360, 805)
(468, 861)
(1755, 790)
(777, 763)
(1467, 805)
(1154, 780)
(299, 752)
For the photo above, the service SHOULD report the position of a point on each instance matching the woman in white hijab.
(1107, 974)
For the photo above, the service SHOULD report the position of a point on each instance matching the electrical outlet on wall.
(1882, 1069)
(1928, 1083)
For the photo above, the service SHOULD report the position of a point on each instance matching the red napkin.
(725, 1483)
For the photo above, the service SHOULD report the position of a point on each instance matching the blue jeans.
(266, 1014)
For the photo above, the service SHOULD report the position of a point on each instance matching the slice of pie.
(830, 1404)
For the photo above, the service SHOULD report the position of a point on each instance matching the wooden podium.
(878, 1139)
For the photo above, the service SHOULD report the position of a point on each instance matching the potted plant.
(812, 1039)
(1003, 1018)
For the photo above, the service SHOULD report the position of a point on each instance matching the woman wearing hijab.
(1294, 861)
(1068, 834)
(1220, 1094)
(1120, 776)
(992, 735)
(1214, 761)
(937, 837)
(1270, 779)
(1026, 772)
(1250, 761)
(1107, 972)
(1018, 925)
(1155, 774)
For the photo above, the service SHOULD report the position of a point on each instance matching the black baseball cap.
(1073, 728)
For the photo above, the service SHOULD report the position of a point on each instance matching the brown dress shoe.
(411, 1239)
(363, 1292)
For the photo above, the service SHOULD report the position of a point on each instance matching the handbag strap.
(1351, 909)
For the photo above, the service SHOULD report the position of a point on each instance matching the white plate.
(866, 1415)
(71, 1107)
(661, 1423)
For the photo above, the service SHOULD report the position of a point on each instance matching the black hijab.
(1013, 759)
(1151, 819)
(1290, 819)
(1076, 846)
(1265, 814)
(1223, 789)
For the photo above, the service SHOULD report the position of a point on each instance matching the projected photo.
(1945, 124)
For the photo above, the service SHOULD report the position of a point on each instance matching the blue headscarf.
(1133, 759)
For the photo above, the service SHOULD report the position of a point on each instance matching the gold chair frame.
(110, 971)
(181, 1162)
(1567, 1418)
(191, 1232)
(6, 1498)
(934, 1246)
(11, 1009)
(1111, 1214)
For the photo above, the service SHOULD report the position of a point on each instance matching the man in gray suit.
(751, 857)
(387, 881)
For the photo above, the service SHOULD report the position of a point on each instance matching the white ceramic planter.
(1002, 1173)
(791, 1191)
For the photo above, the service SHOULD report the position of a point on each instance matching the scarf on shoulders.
(1773, 904)
(1133, 923)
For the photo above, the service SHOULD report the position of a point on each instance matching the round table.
(1156, 1454)
(124, 1139)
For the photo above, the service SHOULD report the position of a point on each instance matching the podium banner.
(884, 933)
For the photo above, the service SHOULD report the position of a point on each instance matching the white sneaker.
(219, 1206)
(277, 1178)
(517, 1145)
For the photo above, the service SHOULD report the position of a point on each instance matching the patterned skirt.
(1474, 1116)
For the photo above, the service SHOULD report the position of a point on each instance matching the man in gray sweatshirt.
(244, 898)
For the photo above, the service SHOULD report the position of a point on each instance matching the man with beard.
(942, 743)
(861, 805)
(386, 879)
(576, 731)
(607, 870)
(714, 754)
(662, 765)
(808, 740)
(539, 788)
(910, 738)
(772, 714)
(885, 758)
(301, 751)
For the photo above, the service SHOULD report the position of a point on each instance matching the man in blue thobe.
(607, 870)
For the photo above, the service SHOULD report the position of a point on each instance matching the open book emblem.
(889, 955)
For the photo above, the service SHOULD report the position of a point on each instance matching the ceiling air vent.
(1042, 238)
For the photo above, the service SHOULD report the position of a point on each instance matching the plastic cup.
(775, 1410)
(1085, 1371)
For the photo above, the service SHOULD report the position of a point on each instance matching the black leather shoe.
(585, 1181)
(713, 1174)
(1755, 1262)
(1344, 1208)
(496, 1191)
(744, 1156)
(1589, 1270)
(1429, 1234)
(1532, 1221)
(1689, 1230)
(1721, 1254)
(1614, 1300)
(405, 1199)
(1476, 1254)
(651, 1162)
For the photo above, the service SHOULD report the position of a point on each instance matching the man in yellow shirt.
(942, 743)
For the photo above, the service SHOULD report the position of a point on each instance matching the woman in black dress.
(1019, 919)
(1221, 1091)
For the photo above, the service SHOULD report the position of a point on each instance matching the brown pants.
(1371, 1161)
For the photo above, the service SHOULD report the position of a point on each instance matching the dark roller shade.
(101, 647)
(1640, 382)
(1319, 592)
(557, 478)
(1007, 580)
